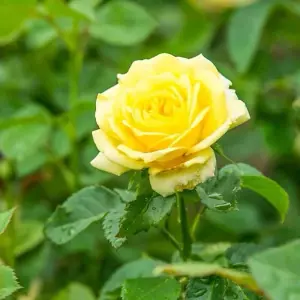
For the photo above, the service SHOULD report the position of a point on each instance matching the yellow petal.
(183, 162)
(101, 162)
(207, 142)
(237, 110)
(107, 146)
(159, 155)
(169, 182)
(104, 104)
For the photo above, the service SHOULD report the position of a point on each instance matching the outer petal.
(101, 162)
(237, 110)
(207, 142)
(169, 182)
(106, 145)
(159, 155)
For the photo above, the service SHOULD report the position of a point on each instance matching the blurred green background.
(55, 57)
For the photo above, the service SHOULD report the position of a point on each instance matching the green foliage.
(219, 193)
(79, 211)
(122, 23)
(55, 57)
(137, 269)
(75, 291)
(151, 288)
(8, 282)
(5, 218)
(276, 271)
(242, 46)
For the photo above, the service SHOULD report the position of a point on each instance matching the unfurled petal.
(101, 162)
(106, 145)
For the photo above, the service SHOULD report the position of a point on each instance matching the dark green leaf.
(219, 193)
(79, 211)
(137, 269)
(238, 254)
(122, 23)
(162, 288)
(277, 271)
(143, 213)
(244, 32)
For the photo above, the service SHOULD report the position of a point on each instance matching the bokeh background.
(55, 57)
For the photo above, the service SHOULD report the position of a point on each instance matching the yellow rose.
(164, 114)
(219, 4)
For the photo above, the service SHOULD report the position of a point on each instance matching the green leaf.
(238, 254)
(59, 8)
(151, 288)
(39, 33)
(122, 23)
(270, 190)
(8, 282)
(277, 271)
(244, 31)
(264, 186)
(111, 227)
(211, 288)
(219, 193)
(79, 211)
(28, 235)
(5, 218)
(204, 269)
(75, 291)
(84, 7)
(30, 136)
(18, 12)
(137, 269)
(143, 213)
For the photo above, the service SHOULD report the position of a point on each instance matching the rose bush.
(164, 114)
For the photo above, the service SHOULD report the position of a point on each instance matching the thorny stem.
(186, 248)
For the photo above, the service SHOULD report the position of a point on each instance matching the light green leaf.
(59, 8)
(137, 269)
(244, 31)
(31, 136)
(28, 235)
(277, 271)
(18, 12)
(270, 190)
(5, 218)
(204, 269)
(85, 8)
(122, 23)
(79, 211)
(39, 33)
(162, 288)
(8, 282)
(75, 291)
(264, 186)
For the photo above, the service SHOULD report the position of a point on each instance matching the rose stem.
(185, 231)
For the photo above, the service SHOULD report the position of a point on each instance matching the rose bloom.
(164, 114)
